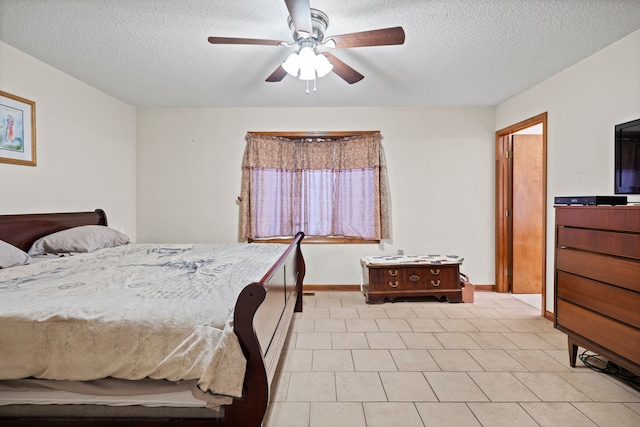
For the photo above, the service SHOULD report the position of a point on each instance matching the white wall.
(85, 146)
(440, 168)
(584, 103)
(441, 161)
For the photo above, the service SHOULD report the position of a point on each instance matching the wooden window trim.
(316, 134)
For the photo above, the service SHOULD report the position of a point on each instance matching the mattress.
(107, 392)
(137, 311)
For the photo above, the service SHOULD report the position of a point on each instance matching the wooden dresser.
(597, 281)
(410, 279)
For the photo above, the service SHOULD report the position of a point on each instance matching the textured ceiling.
(154, 53)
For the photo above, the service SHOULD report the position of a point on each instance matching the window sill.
(316, 240)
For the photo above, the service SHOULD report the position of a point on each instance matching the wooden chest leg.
(374, 299)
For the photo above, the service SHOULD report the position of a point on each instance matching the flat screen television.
(627, 158)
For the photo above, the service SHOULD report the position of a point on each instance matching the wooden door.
(504, 208)
(527, 214)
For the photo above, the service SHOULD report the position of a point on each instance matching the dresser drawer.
(603, 268)
(599, 329)
(404, 278)
(611, 301)
(621, 218)
(606, 242)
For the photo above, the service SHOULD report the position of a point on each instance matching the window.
(330, 186)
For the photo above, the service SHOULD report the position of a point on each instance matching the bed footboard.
(262, 318)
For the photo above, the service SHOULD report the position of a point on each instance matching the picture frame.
(17, 130)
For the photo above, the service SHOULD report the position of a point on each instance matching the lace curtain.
(324, 187)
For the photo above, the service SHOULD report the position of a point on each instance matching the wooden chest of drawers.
(597, 281)
(393, 281)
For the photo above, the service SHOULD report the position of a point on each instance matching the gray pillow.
(10, 255)
(86, 238)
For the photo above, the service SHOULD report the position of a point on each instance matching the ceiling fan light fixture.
(307, 65)
(292, 64)
(322, 65)
(306, 54)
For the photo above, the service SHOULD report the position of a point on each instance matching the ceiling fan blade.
(233, 40)
(347, 73)
(381, 37)
(300, 12)
(277, 75)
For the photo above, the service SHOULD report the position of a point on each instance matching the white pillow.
(10, 255)
(86, 238)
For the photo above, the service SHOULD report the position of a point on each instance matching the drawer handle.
(436, 283)
(435, 272)
(393, 285)
(393, 273)
(414, 278)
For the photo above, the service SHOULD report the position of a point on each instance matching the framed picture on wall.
(17, 130)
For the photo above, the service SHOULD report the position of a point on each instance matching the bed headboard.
(22, 230)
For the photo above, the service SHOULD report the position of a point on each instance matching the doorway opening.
(521, 190)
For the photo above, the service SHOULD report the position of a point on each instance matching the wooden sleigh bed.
(261, 319)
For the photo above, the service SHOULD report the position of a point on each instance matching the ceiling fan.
(309, 26)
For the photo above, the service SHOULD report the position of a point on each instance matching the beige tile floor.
(496, 362)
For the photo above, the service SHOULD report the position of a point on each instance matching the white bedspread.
(136, 311)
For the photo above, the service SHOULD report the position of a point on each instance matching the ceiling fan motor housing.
(319, 23)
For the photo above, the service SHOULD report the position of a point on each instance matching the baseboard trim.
(330, 288)
(356, 288)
